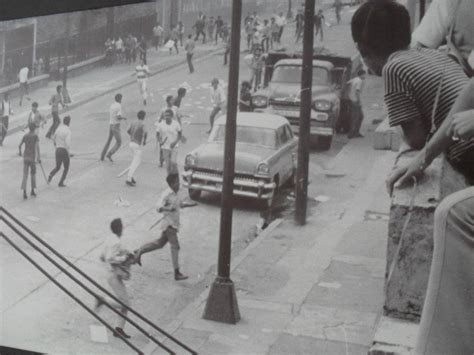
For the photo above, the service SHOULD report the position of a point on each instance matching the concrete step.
(394, 336)
(386, 137)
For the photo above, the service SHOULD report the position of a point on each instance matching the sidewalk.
(101, 81)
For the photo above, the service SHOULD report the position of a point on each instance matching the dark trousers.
(189, 57)
(218, 33)
(28, 165)
(4, 128)
(114, 132)
(280, 34)
(265, 44)
(319, 29)
(213, 115)
(54, 124)
(62, 158)
(170, 235)
(357, 116)
(226, 55)
(200, 32)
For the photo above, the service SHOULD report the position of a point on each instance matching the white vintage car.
(265, 157)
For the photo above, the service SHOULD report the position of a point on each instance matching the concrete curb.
(190, 308)
(18, 127)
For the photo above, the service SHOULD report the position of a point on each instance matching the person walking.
(142, 49)
(62, 142)
(31, 155)
(168, 135)
(199, 26)
(211, 24)
(219, 25)
(142, 72)
(36, 117)
(134, 48)
(257, 64)
(169, 205)
(181, 32)
(281, 22)
(266, 34)
(181, 93)
(116, 116)
(5, 113)
(23, 78)
(189, 48)
(227, 49)
(138, 135)
(299, 19)
(319, 24)
(337, 10)
(217, 100)
(55, 101)
(357, 115)
(157, 35)
(245, 101)
(274, 31)
(174, 36)
(118, 260)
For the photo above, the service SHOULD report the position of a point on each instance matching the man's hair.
(181, 91)
(169, 98)
(67, 120)
(382, 27)
(171, 178)
(361, 72)
(141, 114)
(215, 80)
(59, 87)
(118, 97)
(34, 104)
(246, 84)
(31, 126)
(116, 225)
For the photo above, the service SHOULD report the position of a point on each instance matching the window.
(282, 135)
(292, 74)
(247, 135)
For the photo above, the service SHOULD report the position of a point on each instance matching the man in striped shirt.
(421, 84)
(142, 73)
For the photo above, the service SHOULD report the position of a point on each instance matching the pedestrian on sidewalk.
(217, 100)
(245, 101)
(274, 30)
(249, 34)
(157, 35)
(211, 24)
(118, 260)
(116, 116)
(319, 24)
(266, 33)
(54, 101)
(119, 49)
(421, 85)
(299, 19)
(199, 27)
(134, 46)
(227, 50)
(23, 78)
(281, 22)
(62, 142)
(181, 32)
(138, 135)
(128, 49)
(31, 155)
(169, 205)
(168, 135)
(5, 113)
(142, 49)
(189, 48)
(257, 64)
(219, 25)
(357, 115)
(142, 72)
(174, 36)
(35, 117)
(337, 10)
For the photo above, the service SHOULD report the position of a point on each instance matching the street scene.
(130, 223)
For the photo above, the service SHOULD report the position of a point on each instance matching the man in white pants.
(138, 135)
(169, 135)
(142, 73)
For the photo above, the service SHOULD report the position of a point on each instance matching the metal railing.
(17, 226)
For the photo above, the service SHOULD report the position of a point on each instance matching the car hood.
(290, 92)
(247, 157)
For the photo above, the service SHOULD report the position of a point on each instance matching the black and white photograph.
(237, 177)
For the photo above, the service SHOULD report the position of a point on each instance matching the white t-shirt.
(280, 20)
(119, 44)
(357, 84)
(217, 97)
(115, 111)
(23, 75)
(169, 133)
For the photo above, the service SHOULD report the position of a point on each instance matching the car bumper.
(242, 187)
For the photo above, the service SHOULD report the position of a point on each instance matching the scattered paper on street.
(98, 333)
(322, 198)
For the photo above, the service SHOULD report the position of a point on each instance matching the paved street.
(289, 282)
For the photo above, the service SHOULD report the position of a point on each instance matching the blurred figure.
(5, 113)
(23, 78)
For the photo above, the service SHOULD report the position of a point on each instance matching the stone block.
(386, 137)
(393, 337)
(407, 278)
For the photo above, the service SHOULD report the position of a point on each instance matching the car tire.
(194, 194)
(323, 142)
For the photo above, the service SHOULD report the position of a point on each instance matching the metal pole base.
(221, 303)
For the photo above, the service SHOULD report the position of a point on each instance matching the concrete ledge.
(394, 336)
(405, 290)
(33, 84)
(82, 67)
(386, 137)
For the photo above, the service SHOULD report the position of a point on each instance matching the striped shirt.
(411, 80)
(142, 72)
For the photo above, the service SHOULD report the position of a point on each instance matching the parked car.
(265, 157)
(282, 86)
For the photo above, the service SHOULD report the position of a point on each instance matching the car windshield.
(292, 74)
(247, 135)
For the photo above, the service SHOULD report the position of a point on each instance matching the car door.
(285, 166)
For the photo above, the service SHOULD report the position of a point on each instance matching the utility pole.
(305, 115)
(221, 303)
